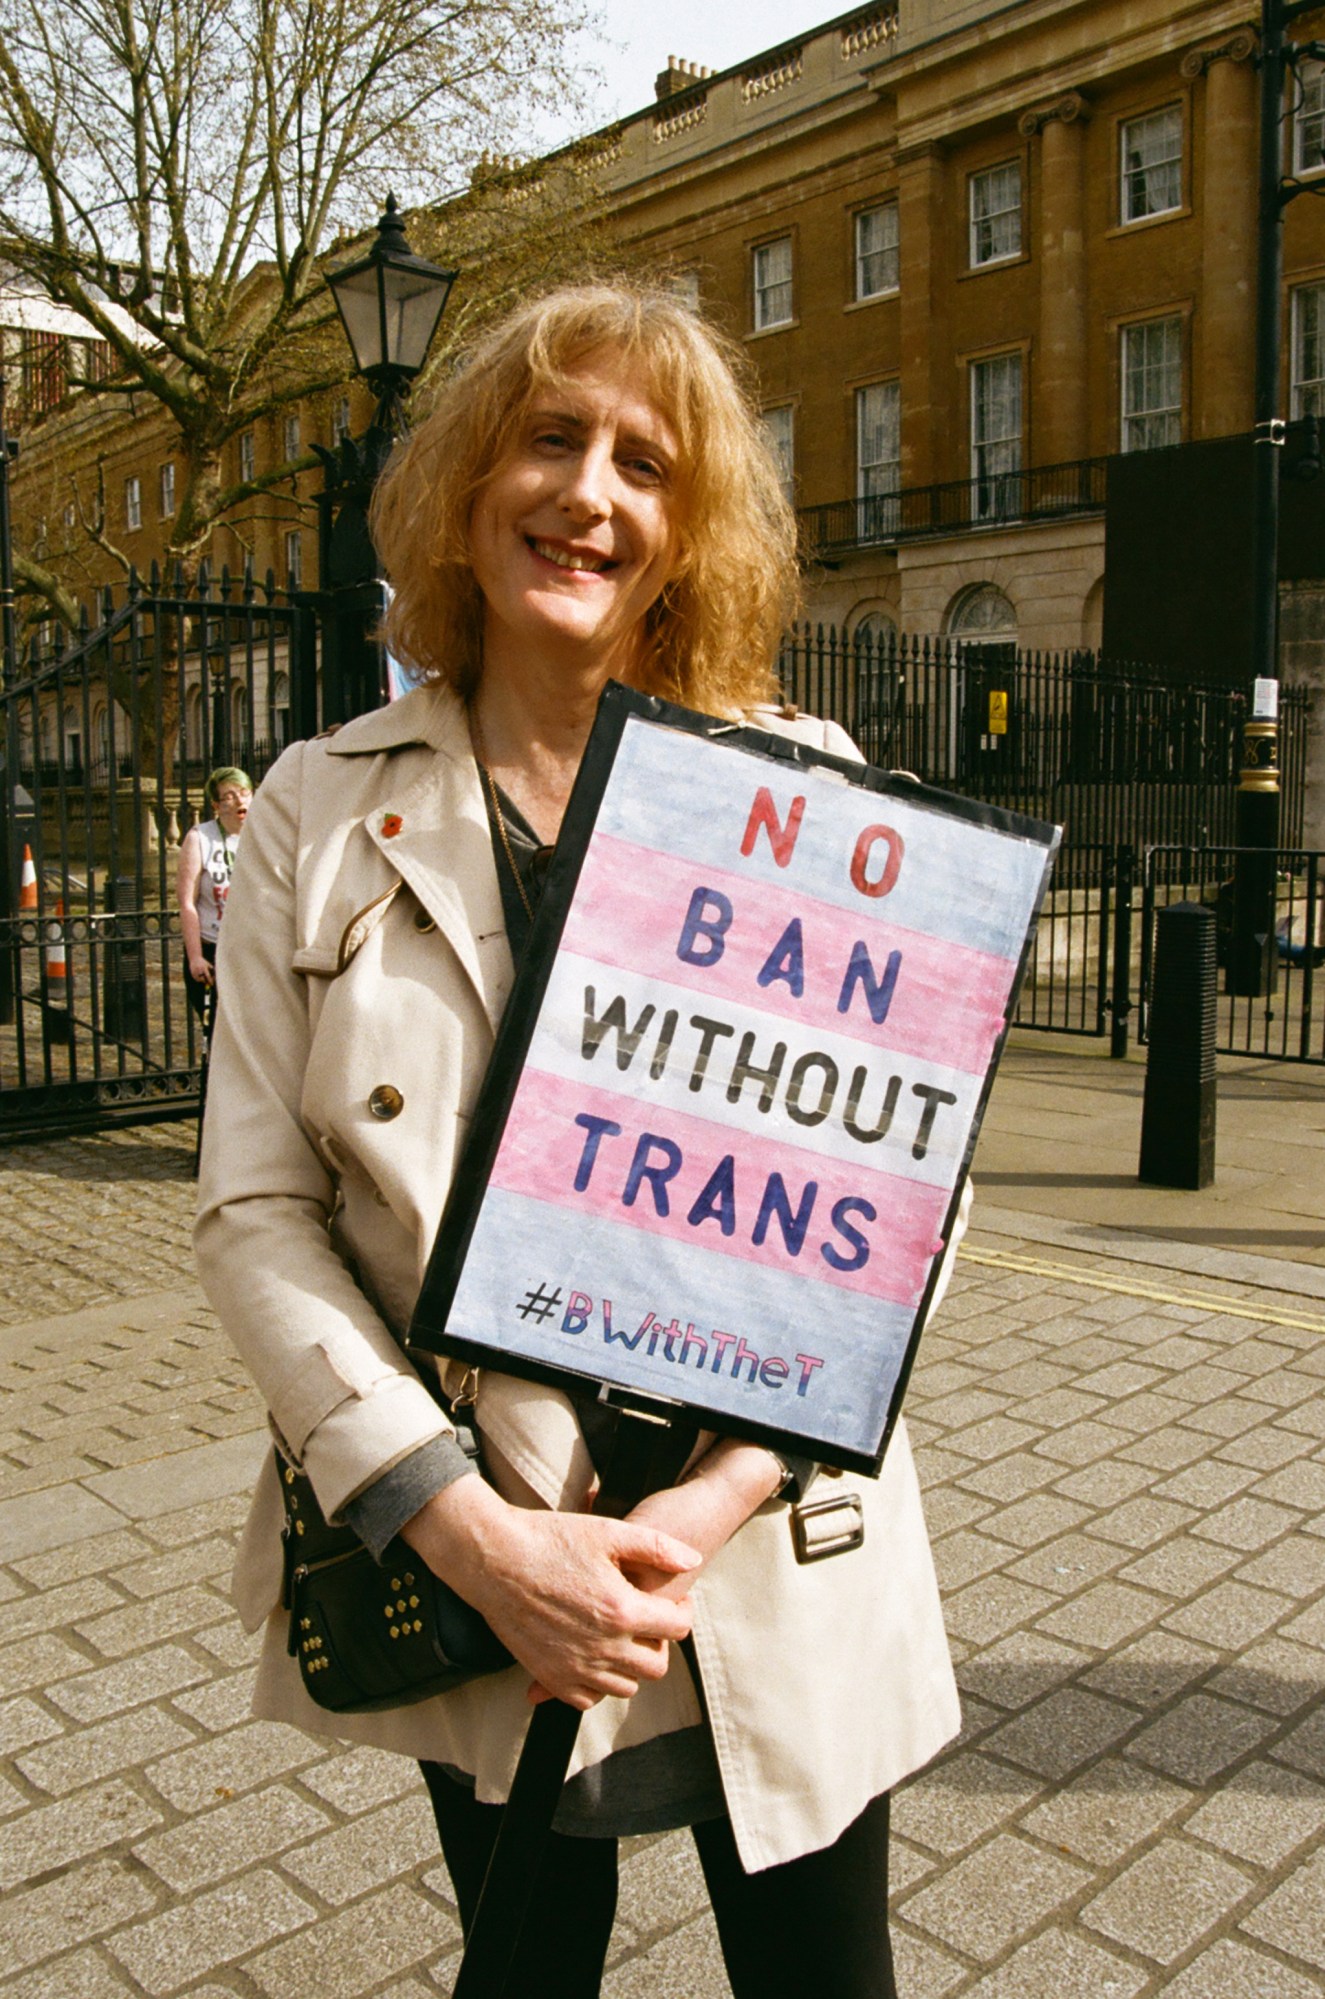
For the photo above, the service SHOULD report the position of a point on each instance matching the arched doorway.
(981, 616)
(983, 723)
(876, 683)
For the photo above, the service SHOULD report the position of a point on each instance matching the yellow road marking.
(1095, 1280)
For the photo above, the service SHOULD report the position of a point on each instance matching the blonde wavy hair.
(711, 636)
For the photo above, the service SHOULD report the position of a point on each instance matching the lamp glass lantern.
(390, 302)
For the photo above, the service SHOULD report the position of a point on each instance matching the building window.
(247, 455)
(996, 214)
(168, 490)
(878, 458)
(340, 419)
(290, 439)
(1152, 384)
(772, 283)
(280, 710)
(294, 559)
(684, 287)
(996, 436)
(876, 251)
(1151, 153)
(1309, 350)
(44, 371)
(133, 502)
(780, 427)
(1309, 118)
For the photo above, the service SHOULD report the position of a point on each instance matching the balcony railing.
(1042, 493)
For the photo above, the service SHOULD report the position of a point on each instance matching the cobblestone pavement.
(1125, 1480)
(86, 1219)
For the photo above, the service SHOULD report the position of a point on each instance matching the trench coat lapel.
(431, 828)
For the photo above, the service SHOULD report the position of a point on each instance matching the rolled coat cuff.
(379, 1512)
(366, 1436)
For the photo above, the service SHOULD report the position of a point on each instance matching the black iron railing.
(1040, 493)
(1113, 750)
(110, 736)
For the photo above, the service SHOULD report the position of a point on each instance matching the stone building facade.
(972, 249)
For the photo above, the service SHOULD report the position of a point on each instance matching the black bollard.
(125, 997)
(1178, 1119)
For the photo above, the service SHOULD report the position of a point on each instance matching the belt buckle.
(824, 1527)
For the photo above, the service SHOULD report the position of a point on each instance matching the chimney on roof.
(678, 75)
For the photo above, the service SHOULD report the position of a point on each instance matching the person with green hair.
(206, 865)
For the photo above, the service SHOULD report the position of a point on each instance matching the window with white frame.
(1152, 384)
(780, 426)
(1309, 117)
(294, 559)
(878, 457)
(876, 251)
(995, 198)
(1308, 350)
(771, 268)
(248, 456)
(290, 438)
(1150, 156)
(340, 419)
(168, 489)
(996, 435)
(280, 709)
(684, 285)
(133, 502)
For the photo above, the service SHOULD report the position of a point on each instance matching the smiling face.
(575, 534)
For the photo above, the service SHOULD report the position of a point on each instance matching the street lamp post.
(1253, 965)
(390, 303)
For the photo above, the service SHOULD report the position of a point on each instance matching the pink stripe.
(543, 1149)
(630, 909)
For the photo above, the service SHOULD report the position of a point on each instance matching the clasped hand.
(557, 1588)
(589, 1605)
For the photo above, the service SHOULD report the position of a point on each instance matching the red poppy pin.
(391, 825)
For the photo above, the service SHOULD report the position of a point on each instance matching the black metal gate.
(108, 742)
(1287, 1022)
(1128, 763)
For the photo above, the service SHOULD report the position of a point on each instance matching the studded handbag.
(368, 1634)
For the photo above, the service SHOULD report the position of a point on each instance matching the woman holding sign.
(592, 498)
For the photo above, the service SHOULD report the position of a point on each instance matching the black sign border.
(618, 706)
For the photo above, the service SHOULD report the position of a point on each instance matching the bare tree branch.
(191, 163)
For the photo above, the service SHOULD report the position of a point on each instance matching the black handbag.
(372, 1635)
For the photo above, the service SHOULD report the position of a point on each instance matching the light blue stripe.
(521, 1245)
(961, 882)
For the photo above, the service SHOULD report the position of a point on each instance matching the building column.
(926, 359)
(1061, 416)
(1226, 344)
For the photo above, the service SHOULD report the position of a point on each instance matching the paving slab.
(1125, 1482)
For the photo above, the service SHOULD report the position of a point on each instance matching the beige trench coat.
(356, 953)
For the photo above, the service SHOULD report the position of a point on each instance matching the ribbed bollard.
(1178, 1119)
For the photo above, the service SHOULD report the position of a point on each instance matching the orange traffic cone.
(57, 965)
(56, 1018)
(27, 887)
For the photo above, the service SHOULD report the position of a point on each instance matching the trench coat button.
(423, 922)
(386, 1102)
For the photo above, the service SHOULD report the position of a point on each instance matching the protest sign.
(737, 1088)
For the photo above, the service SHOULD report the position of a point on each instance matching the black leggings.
(818, 1924)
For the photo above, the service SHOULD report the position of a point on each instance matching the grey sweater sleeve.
(379, 1512)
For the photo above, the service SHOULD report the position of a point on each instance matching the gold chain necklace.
(481, 759)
